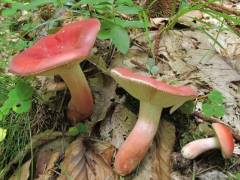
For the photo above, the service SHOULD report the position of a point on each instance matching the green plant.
(76, 130)
(3, 133)
(214, 106)
(187, 108)
(151, 66)
(237, 175)
(18, 100)
(116, 17)
(186, 7)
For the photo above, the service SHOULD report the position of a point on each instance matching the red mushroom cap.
(225, 138)
(72, 43)
(152, 90)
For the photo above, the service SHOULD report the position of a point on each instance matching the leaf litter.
(188, 57)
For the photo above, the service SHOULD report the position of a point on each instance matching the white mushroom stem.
(133, 150)
(81, 103)
(197, 147)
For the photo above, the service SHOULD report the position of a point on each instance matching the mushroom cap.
(151, 90)
(225, 139)
(70, 44)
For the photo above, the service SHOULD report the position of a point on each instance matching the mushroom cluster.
(61, 53)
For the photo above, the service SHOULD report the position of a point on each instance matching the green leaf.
(207, 109)
(219, 110)
(214, 105)
(129, 24)
(120, 38)
(19, 99)
(74, 131)
(128, 10)
(22, 106)
(215, 97)
(126, 2)
(154, 70)
(20, 45)
(13, 10)
(3, 133)
(238, 176)
(210, 109)
(24, 90)
(9, 12)
(187, 108)
(104, 34)
(184, 4)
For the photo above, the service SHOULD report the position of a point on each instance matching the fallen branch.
(216, 120)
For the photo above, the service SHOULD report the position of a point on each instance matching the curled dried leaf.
(22, 173)
(82, 163)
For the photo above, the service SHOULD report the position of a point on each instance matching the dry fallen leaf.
(47, 157)
(207, 68)
(116, 128)
(23, 172)
(37, 140)
(49, 169)
(103, 88)
(82, 163)
(104, 149)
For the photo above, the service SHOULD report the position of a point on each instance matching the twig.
(139, 65)
(157, 40)
(216, 120)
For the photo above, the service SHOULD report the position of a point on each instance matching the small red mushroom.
(154, 95)
(223, 140)
(61, 54)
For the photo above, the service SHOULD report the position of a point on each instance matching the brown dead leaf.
(165, 140)
(117, 128)
(208, 70)
(104, 149)
(23, 172)
(103, 88)
(121, 60)
(189, 19)
(37, 140)
(230, 47)
(81, 163)
(97, 169)
(98, 61)
(48, 155)
(49, 170)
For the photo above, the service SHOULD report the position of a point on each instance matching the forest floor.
(191, 43)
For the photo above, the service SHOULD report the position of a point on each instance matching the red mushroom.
(61, 54)
(223, 140)
(153, 95)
